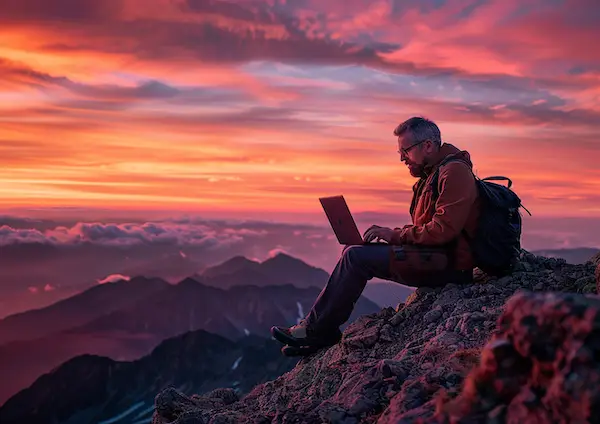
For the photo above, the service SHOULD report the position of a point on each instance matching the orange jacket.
(457, 207)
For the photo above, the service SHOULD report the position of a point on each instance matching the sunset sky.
(256, 108)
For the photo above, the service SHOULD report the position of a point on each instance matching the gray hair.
(419, 129)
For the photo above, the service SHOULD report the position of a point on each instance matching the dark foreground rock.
(423, 363)
(541, 365)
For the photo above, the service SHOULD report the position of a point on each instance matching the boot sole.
(284, 338)
(294, 351)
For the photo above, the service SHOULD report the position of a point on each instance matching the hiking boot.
(301, 336)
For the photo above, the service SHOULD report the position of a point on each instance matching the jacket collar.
(445, 151)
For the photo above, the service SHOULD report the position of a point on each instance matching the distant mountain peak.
(239, 260)
(280, 269)
(230, 266)
(284, 263)
(234, 259)
(189, 281)
(284, 258)
(141, 279)
(281, 255)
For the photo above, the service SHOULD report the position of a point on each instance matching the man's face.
(413, 154)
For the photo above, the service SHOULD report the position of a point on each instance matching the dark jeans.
(357, 265)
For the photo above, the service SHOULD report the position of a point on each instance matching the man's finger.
(372, 227)
(374, 233)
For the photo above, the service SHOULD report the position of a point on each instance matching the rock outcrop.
(596, 261)
(541, 366)
(523, 347)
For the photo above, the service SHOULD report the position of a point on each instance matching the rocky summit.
(521, 348)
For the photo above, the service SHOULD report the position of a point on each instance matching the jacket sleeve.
(458, 192)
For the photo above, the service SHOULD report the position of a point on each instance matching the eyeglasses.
(404, 152)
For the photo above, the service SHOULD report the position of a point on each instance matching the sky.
(256, 108)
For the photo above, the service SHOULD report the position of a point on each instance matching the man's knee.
(351, 253)
(360, 256)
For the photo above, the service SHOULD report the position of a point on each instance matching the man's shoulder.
(455, 167)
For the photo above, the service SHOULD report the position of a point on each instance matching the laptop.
(341, 221)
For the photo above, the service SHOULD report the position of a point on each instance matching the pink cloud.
(113, 278)
(10, 235)
(47, 288)
(274, 252)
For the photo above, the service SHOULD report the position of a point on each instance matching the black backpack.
(496, 244)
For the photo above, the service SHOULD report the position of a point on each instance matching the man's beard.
(417, 171)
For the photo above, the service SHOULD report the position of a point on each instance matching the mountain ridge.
(138, 326)
(229, 266)
(573, 255)
(279, 269)
(100, 389)
(90, 303)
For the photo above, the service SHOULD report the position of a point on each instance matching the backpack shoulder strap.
(497, 178)
(436, 190)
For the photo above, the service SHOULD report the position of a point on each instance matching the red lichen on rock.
(541, 365)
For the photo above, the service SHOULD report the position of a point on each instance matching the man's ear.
(428, 147)
(433, 147)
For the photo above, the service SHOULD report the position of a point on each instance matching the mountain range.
(577, 255)
(124, 320)
(69, 269)
(95, 389)
(86, 306)
(281, 269)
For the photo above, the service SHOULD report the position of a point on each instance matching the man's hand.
(375, 232)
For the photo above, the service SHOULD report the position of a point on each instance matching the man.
(431, 251)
